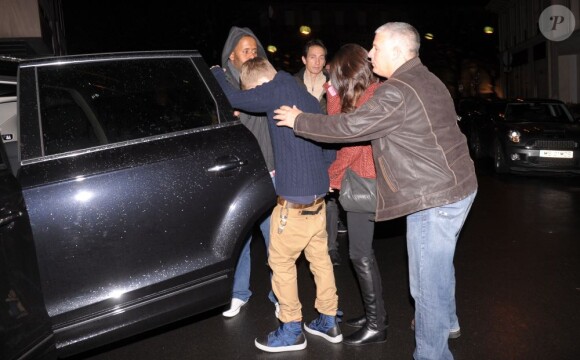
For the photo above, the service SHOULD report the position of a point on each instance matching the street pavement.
(518, 287)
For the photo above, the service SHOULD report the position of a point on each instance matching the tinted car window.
(96, 103)
(537, 112)
(7, 89)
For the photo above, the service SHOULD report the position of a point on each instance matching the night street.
(518, 287)
(133, 168)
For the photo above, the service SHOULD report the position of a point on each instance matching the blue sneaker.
(288, 337)
(327, 327)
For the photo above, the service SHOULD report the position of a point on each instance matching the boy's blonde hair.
(254, 70)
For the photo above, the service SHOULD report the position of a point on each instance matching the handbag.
(358, 194)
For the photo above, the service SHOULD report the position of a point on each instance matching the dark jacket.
(300, 77)
(301, 165)
(256, 123)
(421, 156)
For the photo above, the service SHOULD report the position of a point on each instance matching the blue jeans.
(244, 267)
(431, 238)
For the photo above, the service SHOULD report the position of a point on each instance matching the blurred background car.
(522, 135)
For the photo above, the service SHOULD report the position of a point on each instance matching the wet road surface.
(518, 287)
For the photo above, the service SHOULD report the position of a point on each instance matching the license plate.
(556, 154)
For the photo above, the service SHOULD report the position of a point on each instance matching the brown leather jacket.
(421, 156)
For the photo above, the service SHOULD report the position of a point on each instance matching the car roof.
(115, 55)
(535, 100)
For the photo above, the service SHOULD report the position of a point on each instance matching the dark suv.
(125, 200)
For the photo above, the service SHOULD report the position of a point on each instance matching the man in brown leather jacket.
(424, 172)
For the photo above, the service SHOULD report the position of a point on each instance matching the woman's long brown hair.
(351, 73)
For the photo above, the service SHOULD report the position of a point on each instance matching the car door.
(25, 328)
(140, 190)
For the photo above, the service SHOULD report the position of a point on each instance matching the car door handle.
(227, 166)
(6, 217)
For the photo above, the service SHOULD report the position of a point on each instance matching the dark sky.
(112, 25)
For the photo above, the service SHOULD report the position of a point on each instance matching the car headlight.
(514, 136)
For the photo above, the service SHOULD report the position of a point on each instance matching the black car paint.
(134, 235)
(25, 328)
(482, 122)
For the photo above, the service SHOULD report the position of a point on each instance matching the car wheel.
(500, 164)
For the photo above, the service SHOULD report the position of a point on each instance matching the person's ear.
(396, 52)
(304, 60)
(231, 56)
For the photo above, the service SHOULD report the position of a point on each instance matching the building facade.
(31, 28)
(532, 64)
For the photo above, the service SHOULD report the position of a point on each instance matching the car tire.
(499, 160)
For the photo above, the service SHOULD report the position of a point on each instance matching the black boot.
(357, 321)
(374, 329)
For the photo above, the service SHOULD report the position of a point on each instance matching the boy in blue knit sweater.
(299, 218)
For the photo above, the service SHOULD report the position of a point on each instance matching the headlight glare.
(514, 136)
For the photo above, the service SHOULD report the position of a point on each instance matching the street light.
(305, 30)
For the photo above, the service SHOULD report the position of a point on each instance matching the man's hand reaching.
(286, 115)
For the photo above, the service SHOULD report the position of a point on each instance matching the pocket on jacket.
(388, 175)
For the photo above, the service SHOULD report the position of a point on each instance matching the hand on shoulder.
(286, 115)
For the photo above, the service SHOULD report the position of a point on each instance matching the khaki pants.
(301, 232)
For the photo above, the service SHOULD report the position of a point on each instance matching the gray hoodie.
(256, 123)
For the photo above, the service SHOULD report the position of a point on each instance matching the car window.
(537, 112)
(96, 103)
(7, 88)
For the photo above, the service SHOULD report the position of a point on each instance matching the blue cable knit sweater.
(301, 165)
